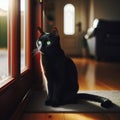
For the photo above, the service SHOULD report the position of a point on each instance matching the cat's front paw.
(52, 103)
(55, 104)
(48, 102)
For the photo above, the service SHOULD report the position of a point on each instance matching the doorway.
(54, 15)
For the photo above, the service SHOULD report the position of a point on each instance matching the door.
(71, 43)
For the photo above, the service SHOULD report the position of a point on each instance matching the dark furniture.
(103, 40)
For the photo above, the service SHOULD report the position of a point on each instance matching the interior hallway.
(93, 75)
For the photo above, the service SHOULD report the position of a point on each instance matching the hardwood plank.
(54, 116)
(92, 116)
(97, 75)
(42, 116)
(70, 116)
(33, 116)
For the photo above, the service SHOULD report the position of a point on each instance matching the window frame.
(14, 42)
(25, 41)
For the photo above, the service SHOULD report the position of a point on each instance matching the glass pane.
(4, 69)
(69, 19)
(23, 40)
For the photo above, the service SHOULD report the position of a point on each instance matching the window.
(4, 42)
(23, 37)
(69, 19)
(11, 40)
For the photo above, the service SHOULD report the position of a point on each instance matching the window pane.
(23, 40)
(4, 69)
(69, 19)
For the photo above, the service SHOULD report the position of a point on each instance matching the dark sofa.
(103, 40)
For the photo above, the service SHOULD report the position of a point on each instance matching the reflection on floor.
(94, 75)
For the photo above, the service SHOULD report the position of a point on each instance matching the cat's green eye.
(48, 42)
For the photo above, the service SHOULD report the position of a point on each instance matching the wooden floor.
(71, 116)
(92, 75)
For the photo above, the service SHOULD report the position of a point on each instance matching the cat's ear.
(54, 30)
(40, 30)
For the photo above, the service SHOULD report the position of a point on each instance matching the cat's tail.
(106, 103)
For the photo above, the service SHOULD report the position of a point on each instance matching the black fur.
(61, 73)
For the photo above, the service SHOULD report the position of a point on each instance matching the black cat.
(61, 73)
